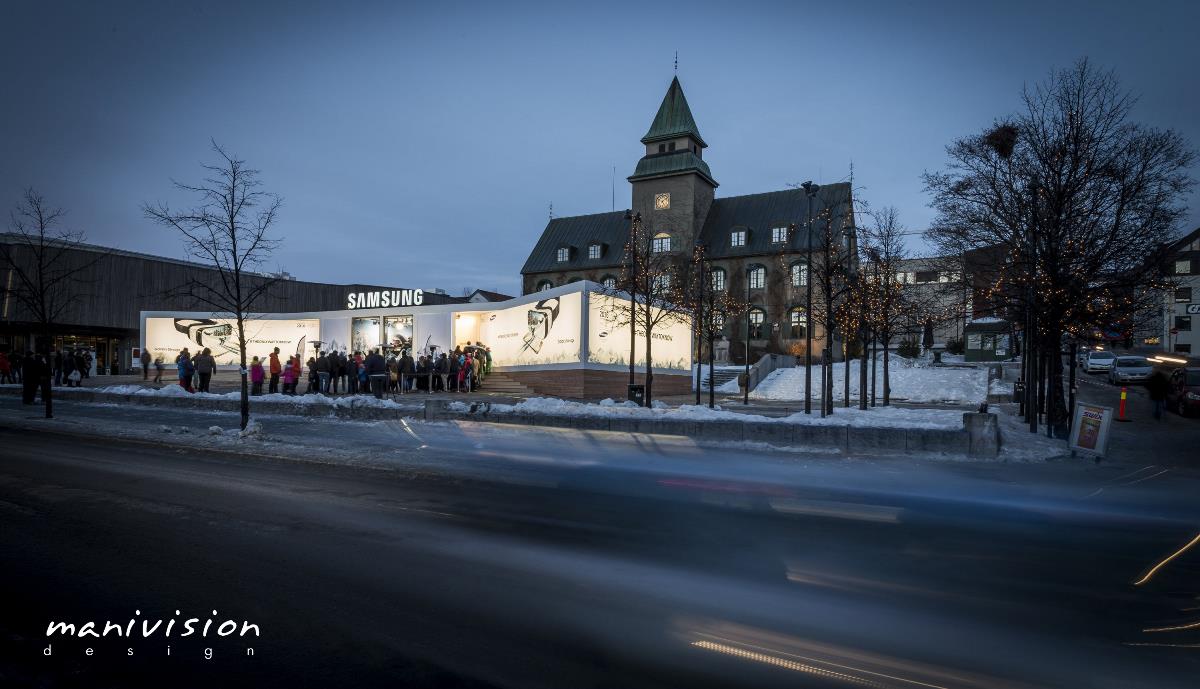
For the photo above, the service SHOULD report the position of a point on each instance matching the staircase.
(497, 383)
(721, 376)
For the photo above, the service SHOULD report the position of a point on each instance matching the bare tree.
(891, 308)
(650, 293)
(1079, 200)
(47, 271)
(229, 230)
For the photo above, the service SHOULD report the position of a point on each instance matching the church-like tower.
(672, 185)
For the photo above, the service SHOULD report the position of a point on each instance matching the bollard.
(1121, 409)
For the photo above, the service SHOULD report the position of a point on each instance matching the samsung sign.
(383, 299)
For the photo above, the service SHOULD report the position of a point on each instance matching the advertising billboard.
(608, 341)
(537, 333)
(165, 337)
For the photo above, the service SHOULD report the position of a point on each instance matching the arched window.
(609, 282)
(595, 250)
(799, 275)
(717, 279)
(661, 243)
(756, 277)
(797, 323)
(544, 285)
(756, 317)
(562, 254)
(718, 322)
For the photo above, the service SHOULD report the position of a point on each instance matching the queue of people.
(332, 373)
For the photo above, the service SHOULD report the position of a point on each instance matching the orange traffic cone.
(1121, 409)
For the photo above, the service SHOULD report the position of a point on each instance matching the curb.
(979, 438)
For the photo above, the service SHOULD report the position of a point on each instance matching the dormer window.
(595, 251)
(661, 243)
(737, 238)
(671, 146)
(662, 148)
(563, 254)
(779, 235)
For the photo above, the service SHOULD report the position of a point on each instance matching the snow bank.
(888, 417)
(911, 380)
(352, 402)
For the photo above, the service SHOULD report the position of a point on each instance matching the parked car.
(1183, 391)
(1130, 369)
(1098, 361)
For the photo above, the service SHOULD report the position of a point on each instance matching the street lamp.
(634, 221)
(810, 190)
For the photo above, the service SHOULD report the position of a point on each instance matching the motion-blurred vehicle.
(1183, 391)
(1098, 361)
(1130, 369)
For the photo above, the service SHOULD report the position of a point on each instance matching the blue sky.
(420, 145)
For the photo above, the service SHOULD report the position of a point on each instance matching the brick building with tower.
(757, 244)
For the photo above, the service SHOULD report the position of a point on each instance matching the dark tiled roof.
(578, 232)
(674, 118)
(757, 213)
(664, 164)
(490, 295)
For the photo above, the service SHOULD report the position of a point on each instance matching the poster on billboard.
(364, 333)
(1089, 429)
(538, 333)
(165, 337)
(398, 331)
(608, 341)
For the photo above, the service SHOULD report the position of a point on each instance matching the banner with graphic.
(166, 337)
(541, 332)
(608, 336)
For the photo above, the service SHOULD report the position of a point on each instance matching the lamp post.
(699, 321)
(746, 387)
(810, 190)
(634, 221)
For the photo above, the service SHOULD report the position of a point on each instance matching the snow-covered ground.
(352, 401)
(912, 380)
(890, 417)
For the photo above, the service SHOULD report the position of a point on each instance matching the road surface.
(536, 558)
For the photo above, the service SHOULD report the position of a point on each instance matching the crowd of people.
(331, 373)
(60, 367)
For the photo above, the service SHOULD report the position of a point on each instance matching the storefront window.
(398, 331)
(364, 334)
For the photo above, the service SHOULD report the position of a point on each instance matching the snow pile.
(350, 401)
(887, 417)
(253, 428)
(911, 380)
(1001, 387)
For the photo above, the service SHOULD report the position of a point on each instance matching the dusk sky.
(421, 145)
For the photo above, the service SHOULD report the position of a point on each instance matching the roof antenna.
(551, 210)
(614, 188)
(676, 62)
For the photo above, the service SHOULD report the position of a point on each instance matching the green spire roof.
(674, 118)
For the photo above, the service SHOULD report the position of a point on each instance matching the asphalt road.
(712, 569)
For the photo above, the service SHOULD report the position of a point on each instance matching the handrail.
(765, 365)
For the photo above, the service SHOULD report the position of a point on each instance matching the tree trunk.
(887, 376)
(47, 382)
(245, 403)
(649, 361)
(862, 375)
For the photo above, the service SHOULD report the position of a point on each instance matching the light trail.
(1172, 556)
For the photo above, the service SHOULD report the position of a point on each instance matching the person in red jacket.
(276, 369)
